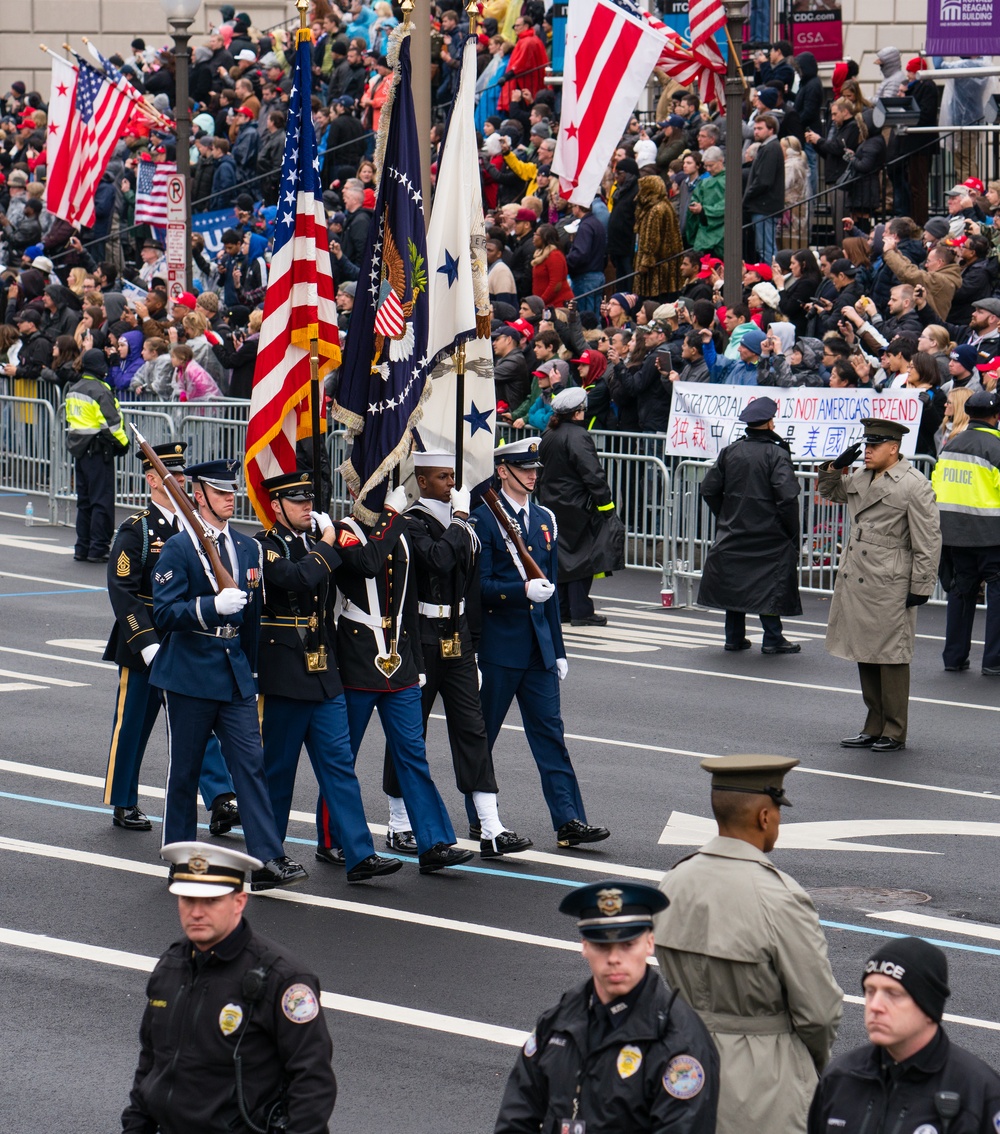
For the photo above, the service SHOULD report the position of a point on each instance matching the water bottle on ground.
(29, 514)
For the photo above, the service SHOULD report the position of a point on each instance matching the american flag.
(151, 191)
(386, 376)
(299, 303)
(87, 116)
(611, 51)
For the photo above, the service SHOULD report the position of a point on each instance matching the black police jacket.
(134, 555)
(379, 556)
(658, 1071)
(863, 1092)
(197, 1013)
(445, 562)
(298, 616)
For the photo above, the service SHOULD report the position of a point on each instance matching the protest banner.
(817, 423)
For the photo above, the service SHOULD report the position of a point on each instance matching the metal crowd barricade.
(825, 531)
(29, 443)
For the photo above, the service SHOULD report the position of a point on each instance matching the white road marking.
(34, 543)
(689, 671)
(17, 687)
(54, 582)
(941, 924)
(335, 1001)
(47, 680)
(57, 657)
(87, 645)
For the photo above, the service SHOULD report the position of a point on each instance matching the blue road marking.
(64, 591)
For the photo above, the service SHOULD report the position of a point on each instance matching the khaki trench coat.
(894, 549)
(742, 943)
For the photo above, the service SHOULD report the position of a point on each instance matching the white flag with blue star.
(458, 294)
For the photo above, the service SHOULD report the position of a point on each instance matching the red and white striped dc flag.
(610, 53)
(87, 116)
(700, 64)
(151, 191)
(298, 306)
(705, 18)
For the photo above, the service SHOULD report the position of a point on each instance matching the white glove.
(149, 652)
(461, 500)
(397, 499)
(322, 521)
(421, 679)
(562, 668)
(539, 590)
(230, 600)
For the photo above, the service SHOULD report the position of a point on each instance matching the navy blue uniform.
(207, 670)
(134, 556)
(520, 643)
(301, 706)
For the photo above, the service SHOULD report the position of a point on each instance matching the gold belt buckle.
(451, 647)
(316, 660)
(390, 662)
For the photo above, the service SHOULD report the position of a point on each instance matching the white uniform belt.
(356, 614)
(430, 610)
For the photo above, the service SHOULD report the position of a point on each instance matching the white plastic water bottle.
(29, 514)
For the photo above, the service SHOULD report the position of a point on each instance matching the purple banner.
(963, 27)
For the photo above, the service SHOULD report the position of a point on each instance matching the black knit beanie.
(921, 968)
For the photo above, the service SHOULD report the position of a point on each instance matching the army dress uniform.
(891, 559)
(134, 556)
(641, 1063)
(245, 999)
(301, 697)
(381, 662)
(742, 942)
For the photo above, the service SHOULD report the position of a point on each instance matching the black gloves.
(848, 457)
(916, 600)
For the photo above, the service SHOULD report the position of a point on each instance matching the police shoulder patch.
(996, 1122)
(629, 1061)
(684, 1077)
(530, 1045)
(300, 1004)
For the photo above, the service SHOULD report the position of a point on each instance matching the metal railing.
(825, 529)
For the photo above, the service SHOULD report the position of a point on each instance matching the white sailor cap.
(433, 459)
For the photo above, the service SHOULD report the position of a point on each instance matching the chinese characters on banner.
(817, 424)
(817, 27)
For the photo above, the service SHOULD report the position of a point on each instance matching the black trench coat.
(753, 492)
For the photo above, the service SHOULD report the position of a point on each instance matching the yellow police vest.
(966, 482)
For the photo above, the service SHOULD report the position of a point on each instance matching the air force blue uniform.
(206, 668)
(520, 643)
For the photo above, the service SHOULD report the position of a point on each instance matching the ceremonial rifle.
(510, 526)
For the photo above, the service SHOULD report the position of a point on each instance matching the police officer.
(444, 550)
(967, 485)
(207, 666)
(753, 562)
(621, 1052)
(889, 568)
(910, 1076)
(134, 643)
(233, 1035)
(301, 697)
(742, 943)
(521, 653)
(382, 668)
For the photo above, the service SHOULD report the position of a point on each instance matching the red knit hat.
(916, 64)
(839, 78)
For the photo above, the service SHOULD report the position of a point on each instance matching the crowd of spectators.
(851, 277)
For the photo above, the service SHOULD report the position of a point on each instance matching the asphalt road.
(431, 982)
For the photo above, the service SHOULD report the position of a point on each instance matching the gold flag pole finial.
(407, 8)
(472, 8)
(304, 34)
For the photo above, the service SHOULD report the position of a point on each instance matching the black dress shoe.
(276, 872)
(888, 744)
(573, 833)
(374, 866)
(961, 667)
(402, 842)
(991, 671)
(475, 831)
(862, 740)
(98, 558)
(225, 816)
(732, 647)
(507, 842)
(131, 819)
(79, 559)
(784, 647)
(442, 855)
(332, 855)
(593, 620)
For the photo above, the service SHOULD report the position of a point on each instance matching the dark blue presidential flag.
(385, 376)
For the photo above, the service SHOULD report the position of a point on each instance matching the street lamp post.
(732, 254)
(180, 15)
